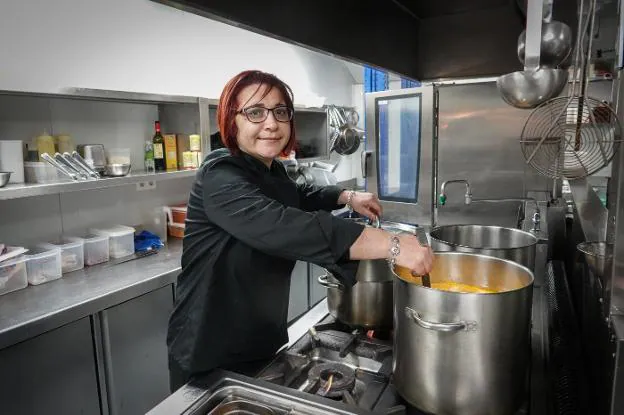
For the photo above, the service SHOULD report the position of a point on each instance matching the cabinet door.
(317, 291)
(298, 303)
(135, 352)
(54, 373)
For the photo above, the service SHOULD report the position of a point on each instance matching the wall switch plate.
(149, 185)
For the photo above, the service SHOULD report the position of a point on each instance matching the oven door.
(400, 160)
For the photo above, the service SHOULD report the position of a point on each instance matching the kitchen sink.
(238, 399)
(221, 393)
(234, 405)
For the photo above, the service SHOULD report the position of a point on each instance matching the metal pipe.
(468, 195)
(468, 200)
(536, 216)
(511, 199)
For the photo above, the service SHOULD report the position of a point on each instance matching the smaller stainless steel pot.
(369, 303)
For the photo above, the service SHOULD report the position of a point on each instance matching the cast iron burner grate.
(334, 379)
(354, 337)
(379, 334)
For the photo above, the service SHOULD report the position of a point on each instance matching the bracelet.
(395, 250)
(349, 200)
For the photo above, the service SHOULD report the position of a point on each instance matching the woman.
(247, 223)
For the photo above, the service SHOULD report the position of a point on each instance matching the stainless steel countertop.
(37, 309)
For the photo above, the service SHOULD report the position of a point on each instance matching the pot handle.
(323, 280)
(444, 327)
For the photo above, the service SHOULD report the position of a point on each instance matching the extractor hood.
(419, 39)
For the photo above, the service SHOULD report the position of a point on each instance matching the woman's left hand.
(366, 204)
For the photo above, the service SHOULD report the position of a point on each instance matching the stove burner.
(334, 379)
(380, 334)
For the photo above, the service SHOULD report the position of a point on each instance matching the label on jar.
(158, 151)
(194, 142)
(188, 161)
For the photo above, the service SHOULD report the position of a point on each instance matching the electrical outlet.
(149, 185)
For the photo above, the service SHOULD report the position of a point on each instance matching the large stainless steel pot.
(463, 353)
(369, 303)
(496, 241)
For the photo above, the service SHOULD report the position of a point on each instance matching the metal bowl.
(528, 89)
(117, 170)
(598, 256)
(555, 47)
(4, 178)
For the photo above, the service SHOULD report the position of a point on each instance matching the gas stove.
(339, 363)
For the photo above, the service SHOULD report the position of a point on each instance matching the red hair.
(228, 106)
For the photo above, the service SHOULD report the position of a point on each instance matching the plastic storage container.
(40, 172)
(176, 214)
(96, 249)
(118, 155)
(176, 230)
(13, 275)
(121, 240)
(64, 143)
(43, 265)
(72, 253)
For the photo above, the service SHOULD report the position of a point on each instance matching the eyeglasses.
(259, 114)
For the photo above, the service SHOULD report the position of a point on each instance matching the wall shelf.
(17, 191)
(129, 96)
(109, 95)
(311, 123)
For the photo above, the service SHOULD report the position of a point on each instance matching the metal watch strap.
(395, 250)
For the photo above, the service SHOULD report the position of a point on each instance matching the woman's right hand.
(376, 243)
(414, 256)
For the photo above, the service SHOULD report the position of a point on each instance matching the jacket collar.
(257, 164)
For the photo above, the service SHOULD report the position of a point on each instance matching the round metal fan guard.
(557, 145)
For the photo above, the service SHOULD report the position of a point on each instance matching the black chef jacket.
(246, 226)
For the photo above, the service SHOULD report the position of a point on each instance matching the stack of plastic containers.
(13, 272)
(49, 261)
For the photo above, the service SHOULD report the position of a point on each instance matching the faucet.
(468, 200)
(467, 196)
